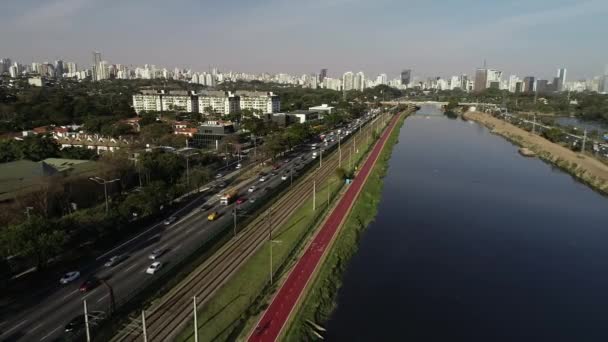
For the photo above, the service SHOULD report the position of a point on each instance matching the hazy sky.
(432, 37)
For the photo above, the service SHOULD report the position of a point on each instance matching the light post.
(188, 167)
(143, 323)
(340, 150)
(86, 321)
(195, 320)
(27, 212)
(105, 183)
(314, 195)
(270, 240)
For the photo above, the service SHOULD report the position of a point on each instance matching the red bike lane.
(274, 318)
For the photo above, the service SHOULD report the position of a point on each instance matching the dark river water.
(474, 242)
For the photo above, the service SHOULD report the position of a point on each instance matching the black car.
(77, 323)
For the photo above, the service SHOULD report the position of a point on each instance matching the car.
(222, 185)
(273, 173)
(218, 176)
(238, 166)
(251, 188)
(262, 179)
(156, 254)
(154, 267)
(276, 167)
(283, 177)
(252, 200)
(169, 220)
(89, 284)
(240, 200)
(69, 277)
(115, 260)
(213, 216)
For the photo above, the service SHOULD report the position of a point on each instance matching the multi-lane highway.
(46, 321)
(165, 319)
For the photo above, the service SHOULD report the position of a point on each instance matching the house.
(211, 133)
(324, 109)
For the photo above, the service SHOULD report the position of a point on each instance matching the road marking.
(15, 327)
(49, 334)
(70, 294)
(189, 230)
(35, 328)
(127, 242)
(177, 247)
(130, 267)
(102, 298)
(88, 294)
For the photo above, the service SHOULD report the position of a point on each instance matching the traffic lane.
(124, 281)
(143, 254)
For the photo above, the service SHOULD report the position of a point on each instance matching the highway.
(46, 320)
(273, 320)
(172, 312)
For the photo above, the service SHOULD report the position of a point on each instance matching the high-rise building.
(348, 80)
(481, 79)
(59, 68)
(542, 86)
(529, 84)
(322, 75)
(359, 81)
(5, 64)
(382, 79)
(560, 80)
(406, 77)
(96, 61)
(72, 67)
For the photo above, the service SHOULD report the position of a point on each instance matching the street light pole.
(86, 321)
(234, 216)
(143, 323)
(105, 183)
(195, 320)
(314, 195)
(340, 150)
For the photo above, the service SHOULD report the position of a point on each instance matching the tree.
(10, 151)
(200, 177)
(39, 147)
(147, 119)
(34, 238)
(553, 134)
(152, 133)
(74, 152)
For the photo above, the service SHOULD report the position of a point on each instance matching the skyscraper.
(322, 75)
(59, 69)
(406, 76)
(359, 82)
(560, 80)
(481, 79)
(529, 84)
(348, 81)
(96, 61)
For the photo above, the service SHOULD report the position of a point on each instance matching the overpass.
(478, 105)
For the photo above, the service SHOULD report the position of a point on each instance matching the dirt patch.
(585, 168)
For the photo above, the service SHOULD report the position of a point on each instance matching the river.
(474, 242)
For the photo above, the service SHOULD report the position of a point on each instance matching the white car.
(154, 267)
(238, 166)
(69, 277)
(284, 177)
(262, 179)
(251, 189)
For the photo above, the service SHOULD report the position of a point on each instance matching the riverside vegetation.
(319, 301)
(582, 167)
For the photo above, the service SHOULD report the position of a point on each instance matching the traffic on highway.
(121, 272)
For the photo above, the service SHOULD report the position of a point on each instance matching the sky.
(431, 37)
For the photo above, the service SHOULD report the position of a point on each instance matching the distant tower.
(322, 75)
(406, 76)
(96, 61)
(560, 79)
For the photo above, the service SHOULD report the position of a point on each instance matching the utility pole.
(584, 141)
(27, 212)
(339, 150)
(143, 323)
(234, 219)
(314, 195)
(534, 124)
(105, 183)
(195, 320)
(320, 158)
(86, 321)
(291, 176)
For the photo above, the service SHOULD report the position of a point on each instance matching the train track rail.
(166, 319)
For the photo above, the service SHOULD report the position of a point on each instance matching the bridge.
(477, 105)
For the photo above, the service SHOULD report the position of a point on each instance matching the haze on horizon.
(433, 38)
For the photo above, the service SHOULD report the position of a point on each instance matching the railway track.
(166, 319)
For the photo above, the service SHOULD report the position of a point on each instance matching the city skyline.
(438, 40)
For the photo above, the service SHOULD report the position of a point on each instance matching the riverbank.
(319, 301)
(584, 168)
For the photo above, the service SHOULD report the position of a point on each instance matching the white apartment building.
(348, 80)
(266, 102)
(218, 101)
